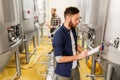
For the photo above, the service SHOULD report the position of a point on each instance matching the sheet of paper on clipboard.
(93, 50)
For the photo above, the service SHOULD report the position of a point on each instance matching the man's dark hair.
(54, 9)
(71, 11)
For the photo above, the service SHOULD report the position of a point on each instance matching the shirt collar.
(65, 28)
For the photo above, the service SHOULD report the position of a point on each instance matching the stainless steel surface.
(112, 55)
(10, 10)
(1, 13)
(5, 53)
(4, 58)
(112, 71)
(42, 13)
(15, 49)
(93, 68)
(116, 72)
(27, 52)
(14, 34)
(17, 62)
(38, 36)
(112, 25)
(17, 44)
(36, 10)
(99, 25)
(109, 72)
(28, 24)
(4, 42)
(41, 17)
(51, 67)
(9, 17)
(104, 17)
(95, 18)
(26, 40)
(34, 42)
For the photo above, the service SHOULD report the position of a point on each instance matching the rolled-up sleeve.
(58, 44)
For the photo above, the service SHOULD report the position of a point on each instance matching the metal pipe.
(83, 39)
(51, 67)
(17, 62)
(17, 43)
(109, 73)
(38, 35)
(34, 42)
(93, 68)
(26, 51)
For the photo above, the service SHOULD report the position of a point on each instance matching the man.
(65, 47)
(55, 21)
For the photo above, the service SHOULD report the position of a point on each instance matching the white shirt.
(73, 49)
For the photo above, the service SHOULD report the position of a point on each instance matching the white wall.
(41, 9)
(60, 5)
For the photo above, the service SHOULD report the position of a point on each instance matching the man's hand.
(49, 26)
(82, 55)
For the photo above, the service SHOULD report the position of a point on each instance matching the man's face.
(53, 12)
(74, 20)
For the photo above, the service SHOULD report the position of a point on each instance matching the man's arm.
(79, 49)
(49, 26)
(82, 55)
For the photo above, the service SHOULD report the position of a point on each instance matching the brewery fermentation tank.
(10, 32)
(103, 17)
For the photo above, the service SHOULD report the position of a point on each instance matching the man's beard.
(53, 14)
(72, 26)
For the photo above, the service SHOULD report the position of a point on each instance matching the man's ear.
(68, 18)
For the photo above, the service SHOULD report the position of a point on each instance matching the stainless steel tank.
(104, 18)
(96, 18)
(27, 23)
(112, 37)
(10, 30)
(4, 42)
(112, 33)
(5, 52)
(26, 20)
(11, 12)
(28, 16)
